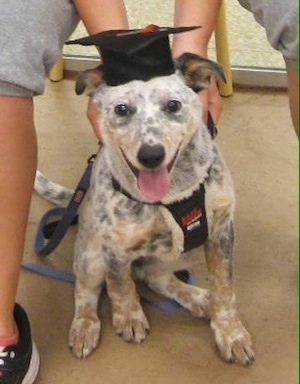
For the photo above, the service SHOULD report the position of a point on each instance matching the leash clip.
(91, 159)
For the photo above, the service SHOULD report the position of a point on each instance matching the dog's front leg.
(85, 328)
(231, 336)
(128, 316)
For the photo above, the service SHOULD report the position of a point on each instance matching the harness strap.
(67, 216)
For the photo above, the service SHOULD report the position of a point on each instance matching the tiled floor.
(257, 139)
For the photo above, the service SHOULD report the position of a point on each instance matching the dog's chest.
(142, 233)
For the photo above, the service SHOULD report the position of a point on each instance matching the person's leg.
(29, 45)
(292, 77)
(17, 171)
(26, 58)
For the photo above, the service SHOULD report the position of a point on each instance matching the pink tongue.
(154, 185)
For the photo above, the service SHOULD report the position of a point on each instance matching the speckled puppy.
(156, 152)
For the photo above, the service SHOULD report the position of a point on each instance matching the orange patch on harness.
(191, 217)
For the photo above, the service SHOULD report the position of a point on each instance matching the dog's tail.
(50, 191)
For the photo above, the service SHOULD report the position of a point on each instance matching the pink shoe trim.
(10, 340)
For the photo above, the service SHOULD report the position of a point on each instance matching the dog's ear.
(89, 80)
(198, 71)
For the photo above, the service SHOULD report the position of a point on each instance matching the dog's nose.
(151, 156)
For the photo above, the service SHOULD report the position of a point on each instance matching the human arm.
(203, 13)
(195, 12)
(97, 16)
(102, 15)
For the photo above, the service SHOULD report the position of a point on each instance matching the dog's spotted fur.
(118, 234)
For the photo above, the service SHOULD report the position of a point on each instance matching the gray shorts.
(31, 38)
(279, 18)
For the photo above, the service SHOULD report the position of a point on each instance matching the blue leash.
(67, 215)
(68, 277)
(52, 273)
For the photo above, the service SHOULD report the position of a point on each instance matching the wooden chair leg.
(222, 48)
(57, 71)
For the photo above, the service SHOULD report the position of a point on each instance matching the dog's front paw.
(234, 341)
(84, 336)
(132, 328)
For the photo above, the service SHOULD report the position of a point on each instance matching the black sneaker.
(19, 364)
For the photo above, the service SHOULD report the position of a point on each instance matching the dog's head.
(148, 125)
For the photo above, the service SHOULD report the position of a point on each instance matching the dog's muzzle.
(153, 179)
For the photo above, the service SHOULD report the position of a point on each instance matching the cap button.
(150, 28)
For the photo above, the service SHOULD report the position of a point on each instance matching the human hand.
(211, 102)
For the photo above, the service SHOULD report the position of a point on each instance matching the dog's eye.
(173, 105)
(122, 110)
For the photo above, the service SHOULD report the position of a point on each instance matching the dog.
(156, 153)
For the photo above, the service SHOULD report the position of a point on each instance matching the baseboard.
(242, 76)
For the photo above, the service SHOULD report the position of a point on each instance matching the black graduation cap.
(137, 54)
